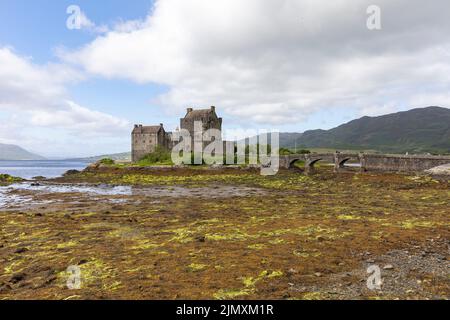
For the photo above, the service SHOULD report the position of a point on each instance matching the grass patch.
(7, 179)
(231, 294)
(194, 267)
(107, 161)
(160, 156)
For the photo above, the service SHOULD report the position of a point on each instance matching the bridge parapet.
(368, 162)
(402, 163)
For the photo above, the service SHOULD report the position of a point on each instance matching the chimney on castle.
(213, 108)
(189, 110)
(161, 125)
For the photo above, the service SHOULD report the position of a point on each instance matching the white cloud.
(87, 24)
(78, 118)
(276, 62)
(35, 97)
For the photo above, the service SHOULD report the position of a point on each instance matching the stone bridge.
(367, 162)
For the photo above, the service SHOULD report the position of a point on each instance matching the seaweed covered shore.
(226, 234)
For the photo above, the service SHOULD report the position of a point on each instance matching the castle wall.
(143, 144)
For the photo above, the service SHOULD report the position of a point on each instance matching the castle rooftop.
(138, 128)
(199, 113)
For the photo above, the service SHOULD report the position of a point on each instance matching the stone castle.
(145, 139)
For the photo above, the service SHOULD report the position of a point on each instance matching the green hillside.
(414, 131)
(124, 156)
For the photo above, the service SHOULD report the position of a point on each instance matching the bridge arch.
(292, 161)
(343, 161)
(311, 163)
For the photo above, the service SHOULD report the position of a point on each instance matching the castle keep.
(207, 117)
(145, 139)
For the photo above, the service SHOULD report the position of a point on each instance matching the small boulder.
(17, 278)
(4, 287)
(200, 238)
(292, 271)
(21, 250)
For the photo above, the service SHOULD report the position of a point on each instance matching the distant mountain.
(414, 131)
(287, 139)
(13, 152)
(124, 156)
(290, 139)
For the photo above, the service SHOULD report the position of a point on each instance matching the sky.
(288, 65)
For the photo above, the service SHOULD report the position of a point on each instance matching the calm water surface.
(46, 168)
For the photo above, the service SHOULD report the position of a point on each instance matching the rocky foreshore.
(443, 170)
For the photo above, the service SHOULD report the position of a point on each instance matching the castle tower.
(207, 117)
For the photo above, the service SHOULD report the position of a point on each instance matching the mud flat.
(225, 234)
(26, 195)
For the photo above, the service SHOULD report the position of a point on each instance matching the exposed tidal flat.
(225, 234)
